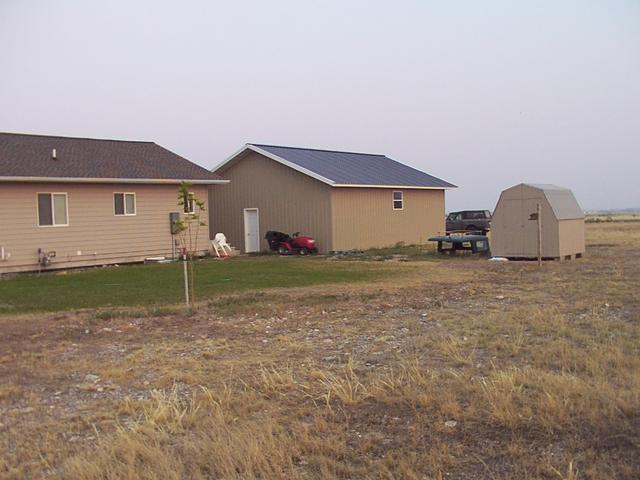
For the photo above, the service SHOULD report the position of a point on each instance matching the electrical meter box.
(174, 218)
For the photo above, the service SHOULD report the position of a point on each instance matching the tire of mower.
(304, 251)
(283, 251)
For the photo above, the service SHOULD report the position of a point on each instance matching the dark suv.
(476, 220)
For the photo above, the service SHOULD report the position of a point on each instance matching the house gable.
(287, 201)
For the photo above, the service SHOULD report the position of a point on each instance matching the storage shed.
(345, 200)
(515, 229)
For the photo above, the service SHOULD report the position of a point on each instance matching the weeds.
(457, 349)
(345, 387)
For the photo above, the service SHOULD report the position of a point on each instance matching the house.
(514, 226)
(344, 200)
(70, 202)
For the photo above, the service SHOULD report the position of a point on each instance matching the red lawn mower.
(286, 244)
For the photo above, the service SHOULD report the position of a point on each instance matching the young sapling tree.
(188, 230)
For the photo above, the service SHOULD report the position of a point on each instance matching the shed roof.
(561, 199)
(30, 158)
(344, 169)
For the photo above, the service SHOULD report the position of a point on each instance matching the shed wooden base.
(564, 258)
(573, 256)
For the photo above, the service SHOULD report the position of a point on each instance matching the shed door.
(530, 227)
(512, 227)
(251, 230)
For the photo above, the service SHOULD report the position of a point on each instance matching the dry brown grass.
(522, 373)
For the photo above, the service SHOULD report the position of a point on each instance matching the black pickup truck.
(469, 220)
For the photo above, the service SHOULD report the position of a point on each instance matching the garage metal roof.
(345, 169)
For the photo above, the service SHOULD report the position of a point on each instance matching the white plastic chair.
(219, 244)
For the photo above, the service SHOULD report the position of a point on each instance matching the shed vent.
(53, 154)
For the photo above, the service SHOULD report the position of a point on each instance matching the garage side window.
(398, 201)
(124, 203)
(52, 210)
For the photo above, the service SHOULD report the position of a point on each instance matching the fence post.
(539, 215)
(186, 278)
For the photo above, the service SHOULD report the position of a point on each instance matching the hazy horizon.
(483, 95)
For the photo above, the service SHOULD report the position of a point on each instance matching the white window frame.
(124, 204)
(394, 200)
(53, 210)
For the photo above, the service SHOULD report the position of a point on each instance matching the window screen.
(59, 209)
(129, 204)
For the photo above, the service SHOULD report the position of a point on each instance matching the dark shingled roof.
(24, 155)
(348, 168)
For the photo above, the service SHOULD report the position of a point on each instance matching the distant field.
(451, 368)
(613, 217)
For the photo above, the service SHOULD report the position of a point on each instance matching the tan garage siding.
(287, 200)
(94, 235)
(365, 218)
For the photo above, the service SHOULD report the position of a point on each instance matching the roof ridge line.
(317, 149)
(76, 138)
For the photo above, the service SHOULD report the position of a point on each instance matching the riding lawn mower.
(286, 244)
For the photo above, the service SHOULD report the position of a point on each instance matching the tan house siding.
(94, 236)
(287, 200)
(364, 217)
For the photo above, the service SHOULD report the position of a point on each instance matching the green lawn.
(150, 285)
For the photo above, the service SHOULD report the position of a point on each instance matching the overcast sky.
(484, 94)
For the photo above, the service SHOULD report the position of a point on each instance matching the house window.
(124, 203)
(190, 204)
(52, 210)
(398, 202)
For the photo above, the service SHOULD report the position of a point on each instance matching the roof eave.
(405, 187)
(157, 181)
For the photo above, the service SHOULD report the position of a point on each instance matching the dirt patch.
(458, 369)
